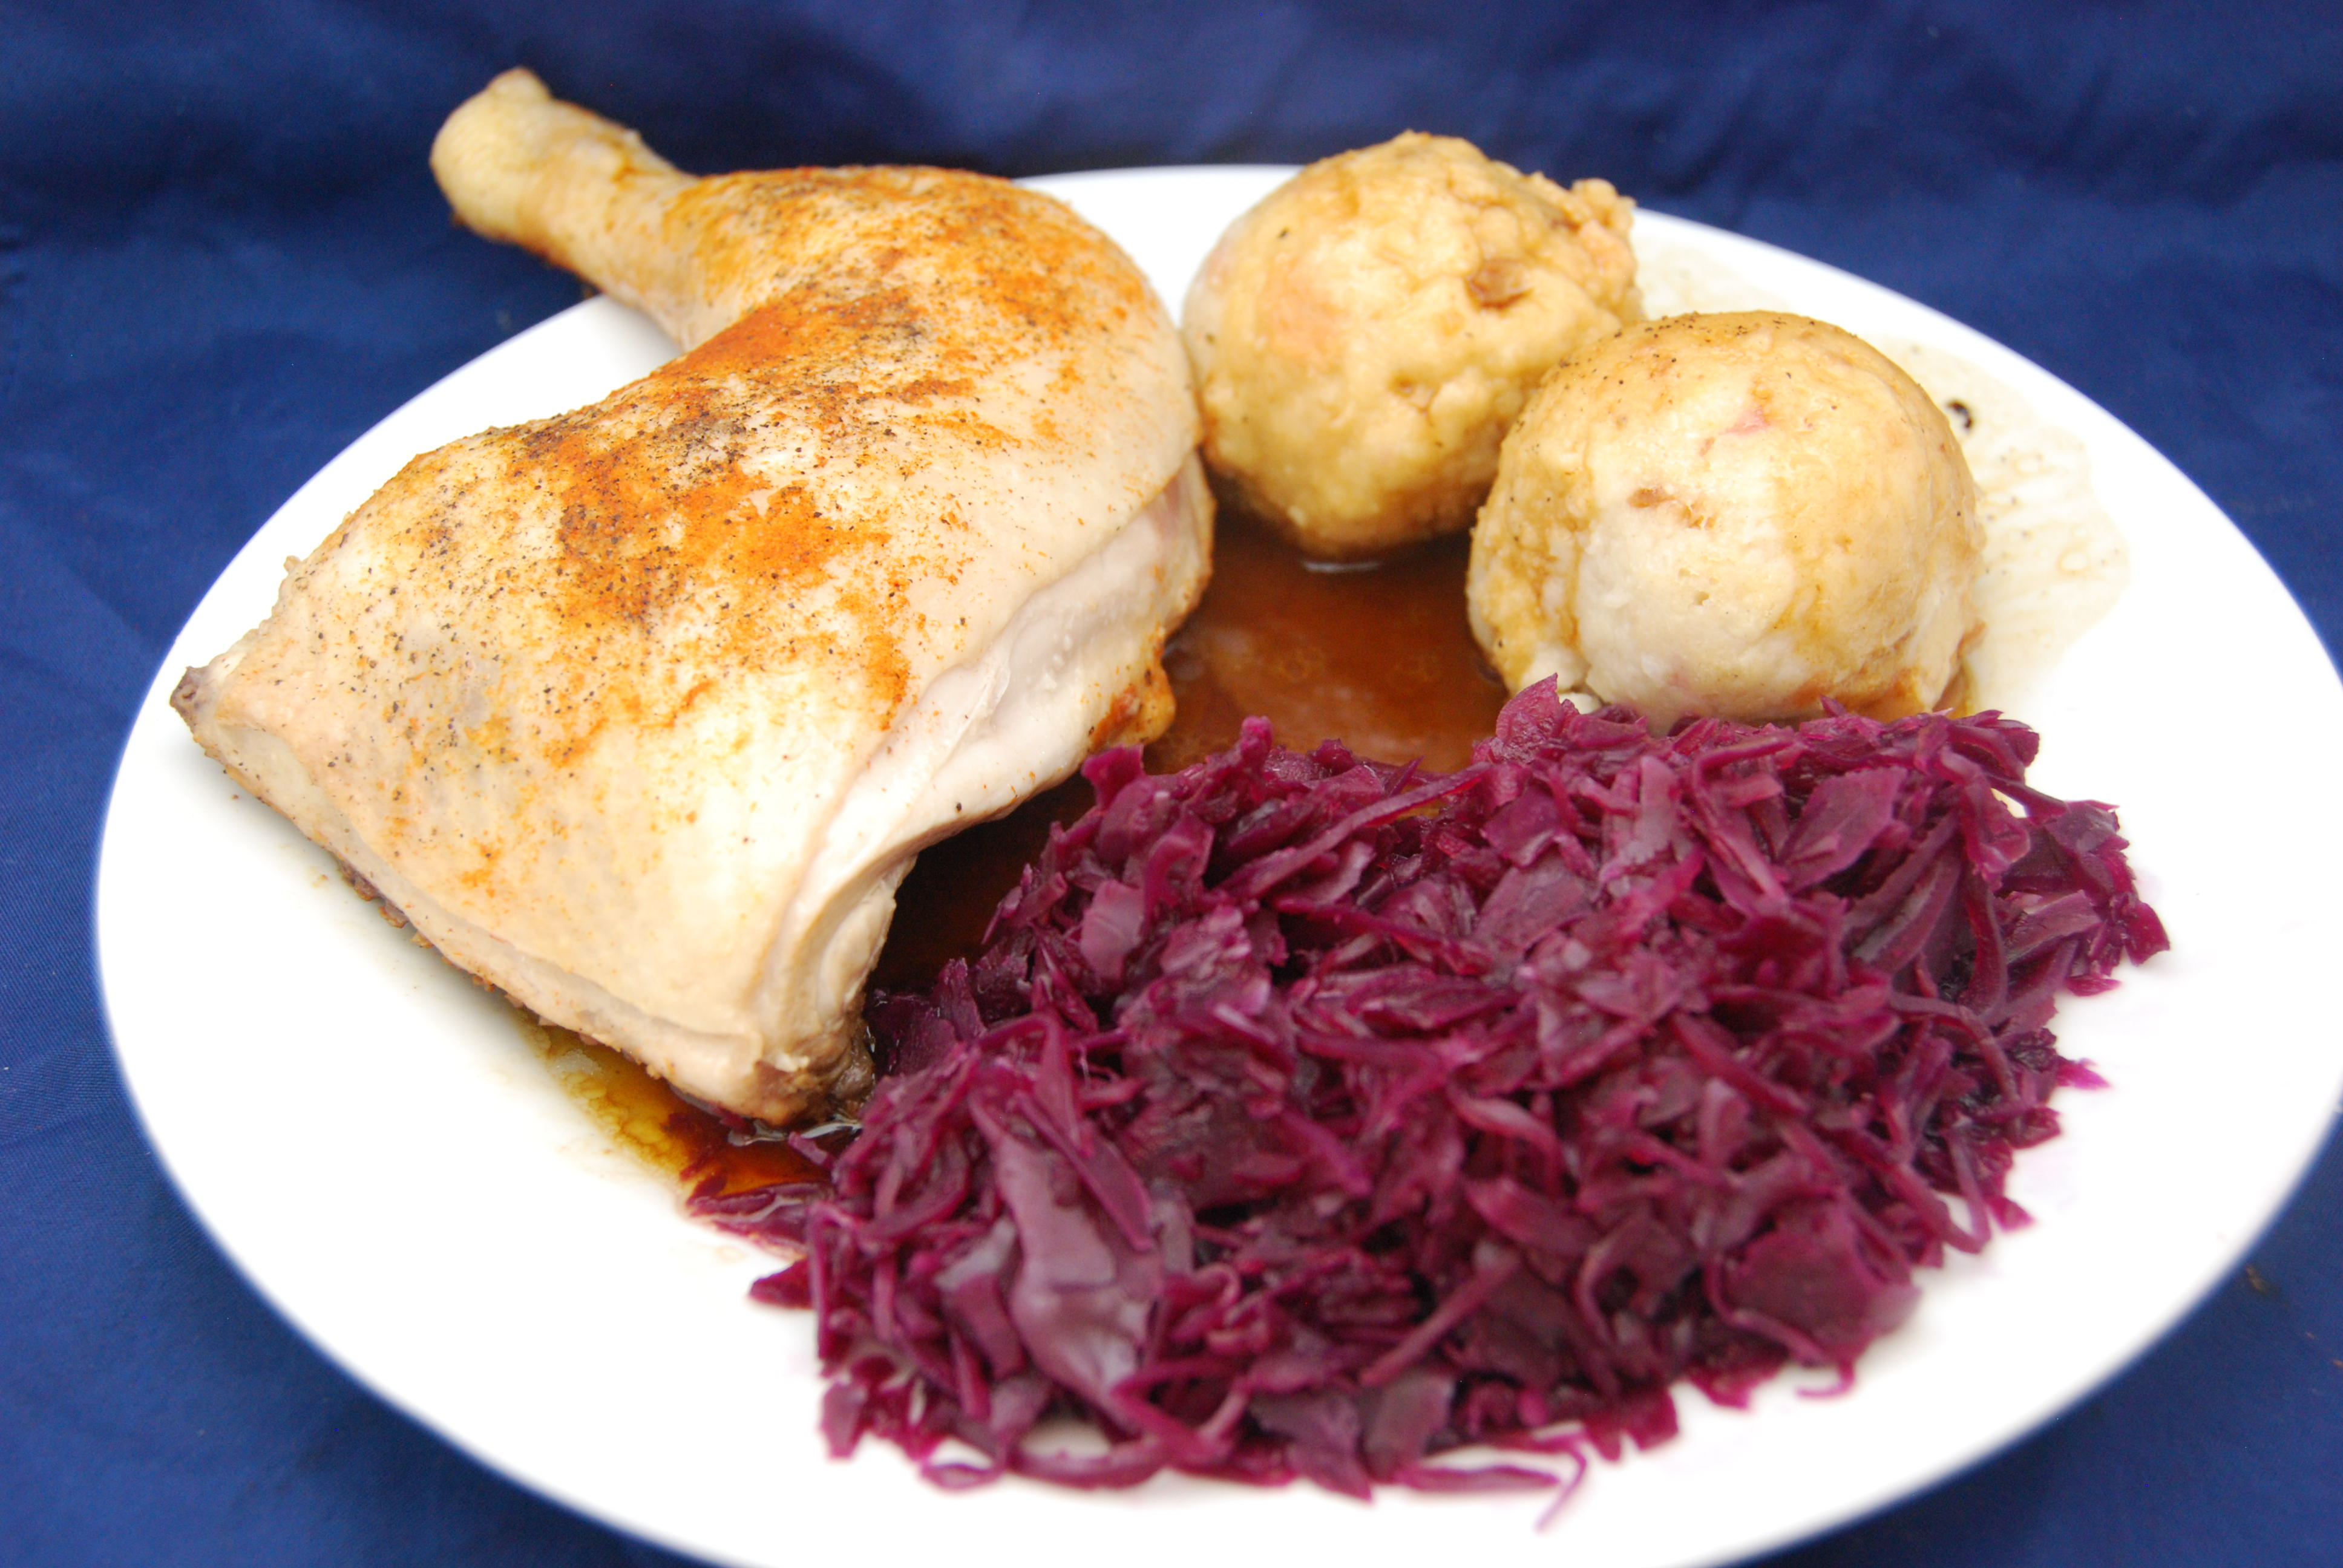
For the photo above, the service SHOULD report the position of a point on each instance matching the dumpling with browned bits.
(1735, 515)
(1363, 337)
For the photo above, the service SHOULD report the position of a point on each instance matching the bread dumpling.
(1733, 515)
(1363, 337)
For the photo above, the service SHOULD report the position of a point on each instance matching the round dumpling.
(1734, 515)
(1363, 337)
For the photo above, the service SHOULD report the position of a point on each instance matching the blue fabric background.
(221, 258)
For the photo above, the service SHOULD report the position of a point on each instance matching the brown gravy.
(1378, 656)
(643, 1116)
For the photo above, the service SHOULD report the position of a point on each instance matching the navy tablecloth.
(221, 258)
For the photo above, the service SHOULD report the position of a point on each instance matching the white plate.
(368, 1136)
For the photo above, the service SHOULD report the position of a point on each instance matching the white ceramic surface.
(369, 1137)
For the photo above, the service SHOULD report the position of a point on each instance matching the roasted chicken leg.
(641, 712)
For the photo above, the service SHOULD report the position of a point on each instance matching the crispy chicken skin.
(1735, 515)
(640, 712)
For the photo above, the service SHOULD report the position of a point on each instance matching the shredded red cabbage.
(1305, 1116)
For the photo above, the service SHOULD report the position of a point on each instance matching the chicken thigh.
(641, 712)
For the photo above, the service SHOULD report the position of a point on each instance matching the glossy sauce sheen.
(646, 1119)
(1377, 656)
